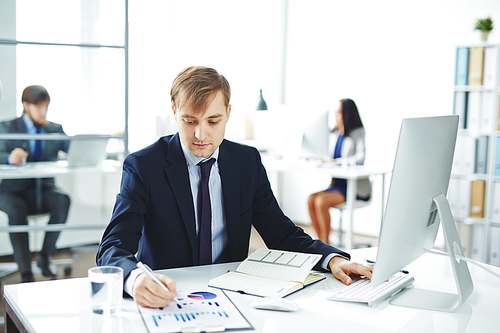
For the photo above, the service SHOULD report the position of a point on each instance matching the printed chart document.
(271, 273)
(208, 310)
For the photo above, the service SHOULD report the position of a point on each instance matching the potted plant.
(484, 26)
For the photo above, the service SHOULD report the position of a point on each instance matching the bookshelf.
(474, 192)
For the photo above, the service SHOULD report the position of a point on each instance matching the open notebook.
(271, 273)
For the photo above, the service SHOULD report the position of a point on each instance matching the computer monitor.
(87, 150)
(416, 204)
(316, 135)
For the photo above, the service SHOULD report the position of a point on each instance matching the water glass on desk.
(106, 283)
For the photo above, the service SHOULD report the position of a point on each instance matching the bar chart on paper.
(209, 308)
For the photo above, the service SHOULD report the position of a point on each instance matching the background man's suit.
(154, 212)
(18, 196)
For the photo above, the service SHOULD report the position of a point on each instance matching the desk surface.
(51, 169)
(336, 170)
(64, 305)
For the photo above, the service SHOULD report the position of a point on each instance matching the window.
(76, 50)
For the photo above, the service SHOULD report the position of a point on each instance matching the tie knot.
(205, 167)
(38, 128)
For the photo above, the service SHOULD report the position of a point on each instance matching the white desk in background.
(64, 305)
(52, 169)
(351, 174)
(86, 219)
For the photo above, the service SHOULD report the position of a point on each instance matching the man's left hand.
(341, 268)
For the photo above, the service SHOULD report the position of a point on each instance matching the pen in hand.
(149, 272)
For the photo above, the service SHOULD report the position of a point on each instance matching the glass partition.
(71, 21)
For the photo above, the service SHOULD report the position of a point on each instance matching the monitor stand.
(436, 300)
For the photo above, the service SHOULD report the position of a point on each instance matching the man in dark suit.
(22, 197)
(155, 218)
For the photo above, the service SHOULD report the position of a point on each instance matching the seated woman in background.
(348, 142)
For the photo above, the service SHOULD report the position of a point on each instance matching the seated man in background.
(191, 199)
(22, 197)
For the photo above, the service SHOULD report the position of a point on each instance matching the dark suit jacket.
(49, 153)
(154, 212)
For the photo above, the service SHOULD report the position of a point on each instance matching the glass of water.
(106, 283)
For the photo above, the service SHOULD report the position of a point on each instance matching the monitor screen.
(422, 169)
(416, 205)
(419, 184)
(316, 134)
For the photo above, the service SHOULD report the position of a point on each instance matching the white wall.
(395, 59)
(242, 40)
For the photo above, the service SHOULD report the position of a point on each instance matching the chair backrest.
(357, 204)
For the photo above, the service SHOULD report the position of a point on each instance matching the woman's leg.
(312, 212)
(322, 203)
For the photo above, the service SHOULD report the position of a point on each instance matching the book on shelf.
(497, 159)
(453, 196)
(463, 162)
(464, 233)
(498, 128)
(462, 66)
(477, 248)
(495, 215)
(473, 110)
(476, 62)
(495, 245)
(460, 108)
(271, 273)
(465, 198)
(487, 120)
(490, 67)
(481, 155)
(477, 192)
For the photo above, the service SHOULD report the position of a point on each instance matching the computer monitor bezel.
(417, 202)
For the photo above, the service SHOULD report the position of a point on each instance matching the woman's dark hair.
(350, 116)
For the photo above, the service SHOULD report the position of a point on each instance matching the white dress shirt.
(219, 235)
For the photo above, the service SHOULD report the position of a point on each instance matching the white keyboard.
(361, 291)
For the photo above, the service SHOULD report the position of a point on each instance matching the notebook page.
(283, 265)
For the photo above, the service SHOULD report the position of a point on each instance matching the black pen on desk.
(372, 262)
(149, 272)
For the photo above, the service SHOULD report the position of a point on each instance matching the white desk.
(82, 213)
(64, 305)
(52, 169)
(351, 174)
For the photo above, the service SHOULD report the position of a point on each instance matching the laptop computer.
(87, 151)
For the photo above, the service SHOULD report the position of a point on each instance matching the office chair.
(9, 268)
(342, 207)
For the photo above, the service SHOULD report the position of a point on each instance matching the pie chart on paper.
(201, 295)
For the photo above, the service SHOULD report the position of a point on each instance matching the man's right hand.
(17, 156)
(149, 294)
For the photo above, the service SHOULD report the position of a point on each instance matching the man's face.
(37, 112)
(202, 133)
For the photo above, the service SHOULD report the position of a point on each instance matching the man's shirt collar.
(194, 160)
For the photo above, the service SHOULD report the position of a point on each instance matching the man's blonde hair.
(197, 86)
